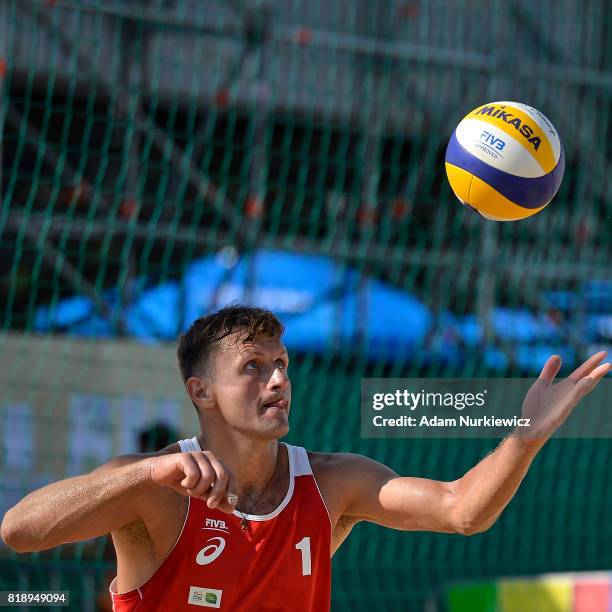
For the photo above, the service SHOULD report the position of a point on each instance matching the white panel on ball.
(513, 157)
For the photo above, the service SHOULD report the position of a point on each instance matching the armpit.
(134, 534)
(341, 530)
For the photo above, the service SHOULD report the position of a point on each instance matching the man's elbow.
(10, 536)
(467, 520)
(14, 537)
(468, 526)
(468, 529)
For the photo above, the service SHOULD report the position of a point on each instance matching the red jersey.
(281, 562)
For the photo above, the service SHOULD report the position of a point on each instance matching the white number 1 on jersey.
(304, 547)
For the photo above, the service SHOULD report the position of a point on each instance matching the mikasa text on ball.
(505, 160)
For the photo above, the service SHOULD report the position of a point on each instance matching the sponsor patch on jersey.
(204, 597)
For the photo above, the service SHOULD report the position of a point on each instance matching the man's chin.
(267, 431)
(280, 430)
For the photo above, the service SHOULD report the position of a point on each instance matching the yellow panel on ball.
(493, 205)
(481, 196)
(460, 181)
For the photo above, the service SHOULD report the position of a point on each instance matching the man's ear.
(200, 391)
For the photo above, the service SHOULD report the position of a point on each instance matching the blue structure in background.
(327, 307)
(324, 306)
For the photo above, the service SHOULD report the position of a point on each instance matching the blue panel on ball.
(558, 171)
(526, 192)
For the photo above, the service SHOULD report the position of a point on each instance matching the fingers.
(223, 495)
(208, 478)
(588, 383)
(550, 370)
(217, 494)
(199, 474)
(588, 366)
(232, 496)
(600, 371)
(190, 469)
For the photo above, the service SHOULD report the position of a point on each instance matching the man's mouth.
(280, 404)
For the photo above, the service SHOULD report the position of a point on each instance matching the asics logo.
(210, 552)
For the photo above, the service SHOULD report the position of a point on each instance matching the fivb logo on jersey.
(216, 525)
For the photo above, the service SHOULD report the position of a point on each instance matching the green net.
(262, 150)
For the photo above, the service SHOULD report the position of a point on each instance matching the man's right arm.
(79, 508)
(112, 496)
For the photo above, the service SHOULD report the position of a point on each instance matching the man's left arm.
(471, 504)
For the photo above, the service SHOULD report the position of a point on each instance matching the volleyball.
(505, 160)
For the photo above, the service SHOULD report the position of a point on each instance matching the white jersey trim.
(302, 465)
(189, 445)
(331, 524)
(298, 466)
(266, 517)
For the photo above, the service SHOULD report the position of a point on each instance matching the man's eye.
(281, 364)
(251, 364)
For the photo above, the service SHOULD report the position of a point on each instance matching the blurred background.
(162, 158)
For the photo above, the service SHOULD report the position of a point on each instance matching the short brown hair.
(196, 345)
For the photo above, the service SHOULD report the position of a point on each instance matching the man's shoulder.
(335, 464)
(341, 477)
(348, 471)
(335, 458)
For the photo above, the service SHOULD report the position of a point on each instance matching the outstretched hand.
(548, 404)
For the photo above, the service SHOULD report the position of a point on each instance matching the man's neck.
(252, 462)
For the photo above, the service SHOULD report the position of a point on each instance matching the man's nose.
(279, 379)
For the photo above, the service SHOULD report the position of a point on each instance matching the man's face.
(251, 385)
